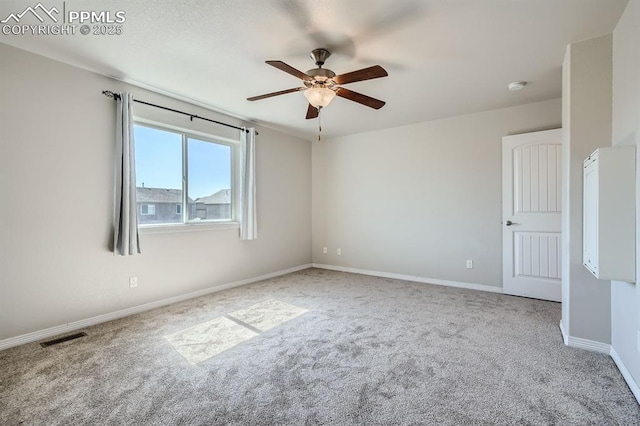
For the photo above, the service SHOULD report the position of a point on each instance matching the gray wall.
(625, 297)
(586, 123)
(421, 199)
(56, 149)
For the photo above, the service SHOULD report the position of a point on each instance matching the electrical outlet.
(339, 252)
(325, 250)
(469, 264)
(133, 282)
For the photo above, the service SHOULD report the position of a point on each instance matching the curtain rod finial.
(110, 94)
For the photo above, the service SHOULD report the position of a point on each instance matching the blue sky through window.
(209, 168)
(159, 162)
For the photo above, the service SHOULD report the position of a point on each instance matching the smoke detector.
(517, 85)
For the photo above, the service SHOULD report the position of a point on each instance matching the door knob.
(509, 223)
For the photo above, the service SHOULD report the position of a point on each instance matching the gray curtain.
(248, 219)
(125, 238)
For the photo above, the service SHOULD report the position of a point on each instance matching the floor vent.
(62, 339)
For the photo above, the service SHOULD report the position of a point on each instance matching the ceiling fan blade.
(375, 71)
(312, 112)
(359, 98)
(290, 70)
(282, 92)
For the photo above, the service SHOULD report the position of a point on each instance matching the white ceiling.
(444, 57)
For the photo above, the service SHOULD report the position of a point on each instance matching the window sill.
(186, 227)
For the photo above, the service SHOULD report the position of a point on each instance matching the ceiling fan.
(321, 85)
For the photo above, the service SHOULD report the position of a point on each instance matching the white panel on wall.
(537, 179)
(537, 254)
(609, 213)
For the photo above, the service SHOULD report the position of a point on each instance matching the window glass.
(158, 174)
(209, 180)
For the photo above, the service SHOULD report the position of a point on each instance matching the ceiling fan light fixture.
(319, 97)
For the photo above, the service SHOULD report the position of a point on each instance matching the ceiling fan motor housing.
(320, 56)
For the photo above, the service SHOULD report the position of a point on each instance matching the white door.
(531, 210)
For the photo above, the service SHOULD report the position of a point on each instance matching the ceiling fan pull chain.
(319, 122)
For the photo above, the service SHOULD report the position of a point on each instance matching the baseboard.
(75, 325)
(633, 385)
(565, 337)
(589, 345)
(413, 278)
(580, 343)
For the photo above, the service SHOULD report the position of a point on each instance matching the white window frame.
(198, 224)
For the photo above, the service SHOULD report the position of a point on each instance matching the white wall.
(56, 187)
(625, 297)
(421, 199)
(586, 122)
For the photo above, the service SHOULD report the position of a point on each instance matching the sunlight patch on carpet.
(201, 342)
(268, 314)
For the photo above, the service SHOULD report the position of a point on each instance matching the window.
(179, 172)
(147, 209)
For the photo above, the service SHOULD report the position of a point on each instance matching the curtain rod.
(115, 96)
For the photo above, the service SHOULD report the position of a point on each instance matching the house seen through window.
(177, 173)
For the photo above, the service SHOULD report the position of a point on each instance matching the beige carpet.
(320, 347)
